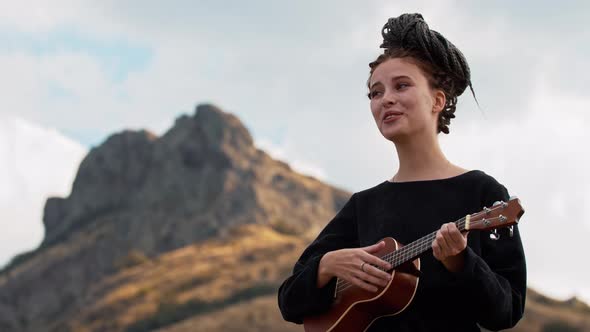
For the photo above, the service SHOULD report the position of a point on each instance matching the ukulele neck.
(413, 250)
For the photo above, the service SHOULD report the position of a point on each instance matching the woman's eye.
(402, 85)
(374, 93)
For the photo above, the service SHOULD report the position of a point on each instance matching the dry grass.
(230, 283)
(250, 261)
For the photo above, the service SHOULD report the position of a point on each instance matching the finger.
(362, 284)
(374, 260)
(382, 276)
(375, 247)
(453, 237)
(370, 279)
(436, 250)
(456, 238)
(444, 246)
(449, 236)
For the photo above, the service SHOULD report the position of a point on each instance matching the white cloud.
(36, 163)
(35, 16)
(300, 166)
(20, 83)
(59, 90)
(539, 155)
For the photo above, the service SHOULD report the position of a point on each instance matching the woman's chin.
(393, 135)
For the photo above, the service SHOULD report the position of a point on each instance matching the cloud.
(538, 154)
(36, 163)
(300, 166)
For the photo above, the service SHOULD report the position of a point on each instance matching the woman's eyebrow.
(393, 79)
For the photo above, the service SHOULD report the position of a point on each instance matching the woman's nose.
(389, 98)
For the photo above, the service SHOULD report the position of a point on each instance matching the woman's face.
(402, 102)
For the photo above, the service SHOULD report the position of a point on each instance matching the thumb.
(375, 247)
(465, 235)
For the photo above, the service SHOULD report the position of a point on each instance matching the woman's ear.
(439, 101)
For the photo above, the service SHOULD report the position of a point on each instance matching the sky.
(75, 72)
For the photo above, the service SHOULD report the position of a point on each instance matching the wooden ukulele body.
(355, 309)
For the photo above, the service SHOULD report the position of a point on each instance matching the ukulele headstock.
(501, 214)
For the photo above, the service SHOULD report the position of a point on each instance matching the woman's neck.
(421, 158)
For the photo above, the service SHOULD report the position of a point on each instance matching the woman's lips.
(392, 117)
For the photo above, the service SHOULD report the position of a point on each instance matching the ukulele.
(355, 309)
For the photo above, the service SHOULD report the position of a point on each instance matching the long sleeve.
(497, 279)
(299, 295)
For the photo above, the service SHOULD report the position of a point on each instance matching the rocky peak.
(105, 179)
(211, 129)
(135, 168)
(222, 128)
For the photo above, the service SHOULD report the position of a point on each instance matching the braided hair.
(444, 65)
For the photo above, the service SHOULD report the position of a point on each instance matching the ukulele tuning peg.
(494, 235)
(511, 230)
(504, 204)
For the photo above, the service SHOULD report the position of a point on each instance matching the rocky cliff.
(142, 195)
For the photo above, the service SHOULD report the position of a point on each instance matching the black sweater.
(489, 291)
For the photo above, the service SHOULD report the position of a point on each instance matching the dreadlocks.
(445, 66)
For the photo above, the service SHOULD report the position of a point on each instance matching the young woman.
(467, 280)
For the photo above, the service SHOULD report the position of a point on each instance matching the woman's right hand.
(346, 264)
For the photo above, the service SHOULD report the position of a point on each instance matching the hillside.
(139, 193)
(229, 284)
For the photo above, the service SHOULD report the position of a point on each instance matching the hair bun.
(411, 32)
(396, 30)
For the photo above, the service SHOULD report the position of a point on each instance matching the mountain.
(190, 231)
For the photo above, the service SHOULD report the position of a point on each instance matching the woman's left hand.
(449, 246)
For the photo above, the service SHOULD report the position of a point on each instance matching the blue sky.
(295, 73)
(117, 57)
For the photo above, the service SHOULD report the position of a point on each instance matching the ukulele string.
(398, 257)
